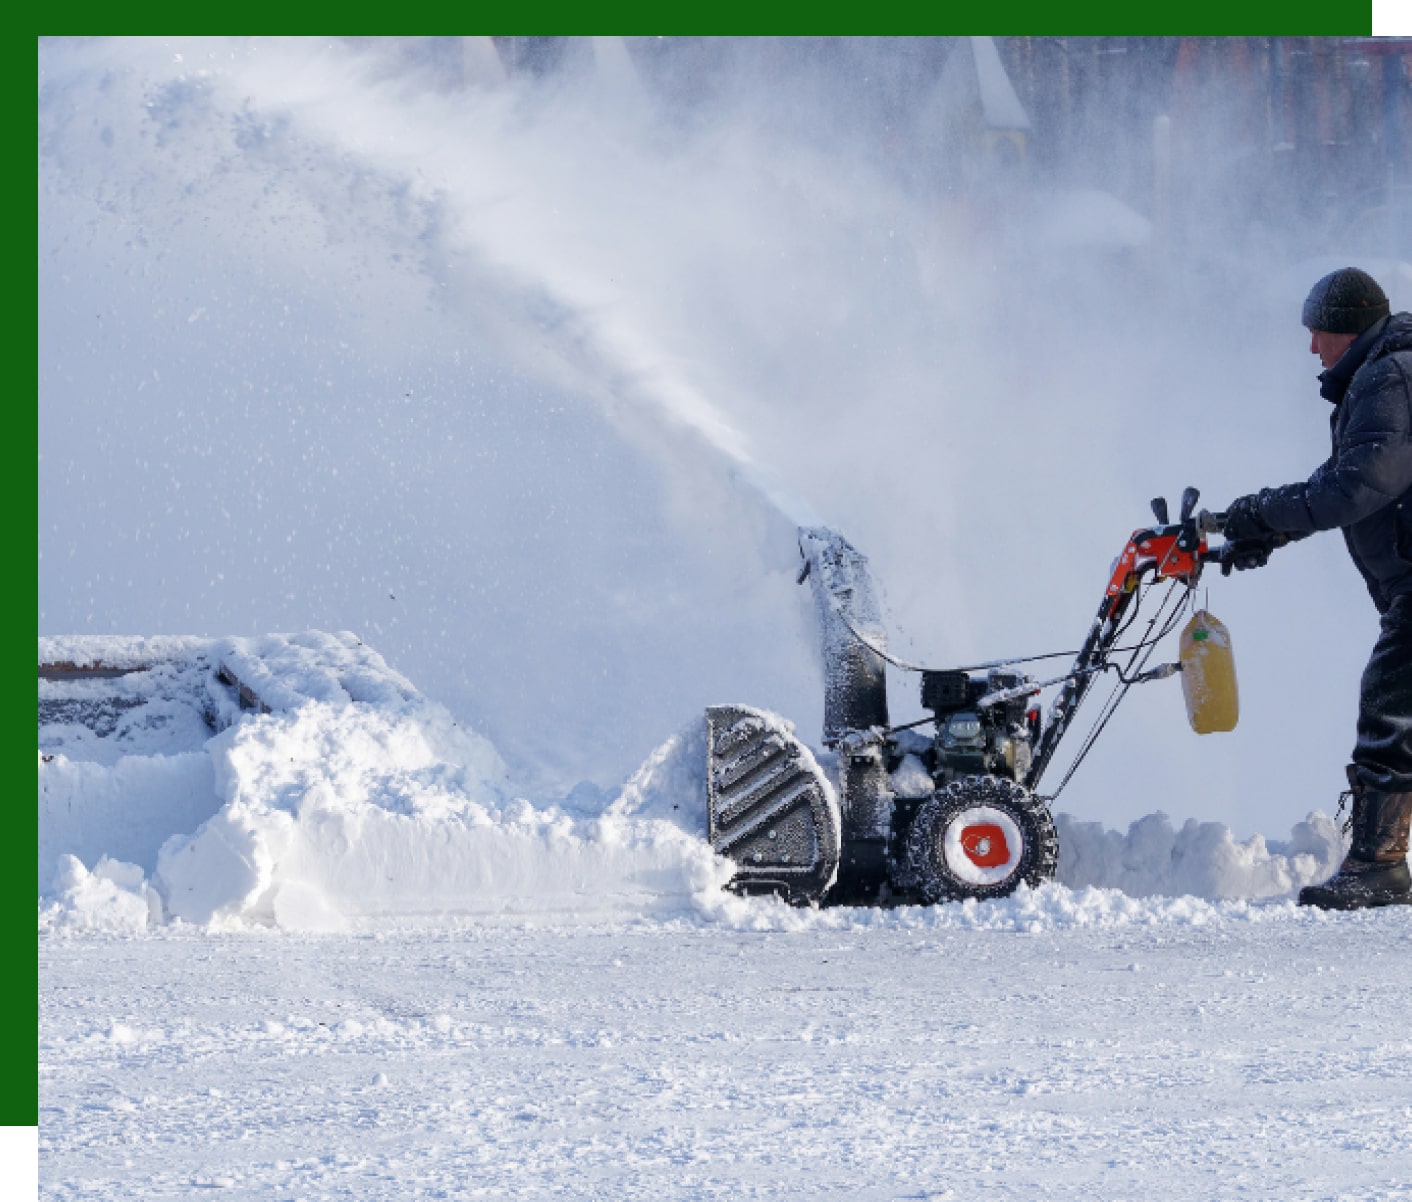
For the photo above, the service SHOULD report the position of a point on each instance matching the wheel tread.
(926, 867)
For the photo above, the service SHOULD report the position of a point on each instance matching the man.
(1365, 488)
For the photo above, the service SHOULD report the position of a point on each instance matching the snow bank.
(671, 784)
(115, 897)
(126, 809)
(1202, 859)
(123, 726)
(299, 782)
(339, 813)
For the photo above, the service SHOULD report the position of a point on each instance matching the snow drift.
(326, 789)
(299, 782)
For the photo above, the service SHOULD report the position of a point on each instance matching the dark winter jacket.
(1365, 487)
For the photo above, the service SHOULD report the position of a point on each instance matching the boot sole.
(1344, 901)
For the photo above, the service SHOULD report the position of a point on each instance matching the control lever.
(1190, 496)
(1159, 510)
(1190, 537)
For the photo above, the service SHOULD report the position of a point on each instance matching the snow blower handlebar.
(1175, 551)
(1179, 549)
(1169, 550)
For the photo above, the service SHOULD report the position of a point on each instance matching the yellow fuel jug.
(1208, 675)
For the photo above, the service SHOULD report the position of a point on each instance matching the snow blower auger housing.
(907, 817)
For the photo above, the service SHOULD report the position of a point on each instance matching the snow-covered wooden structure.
(976, 112)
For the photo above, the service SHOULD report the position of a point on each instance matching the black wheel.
(980, 836)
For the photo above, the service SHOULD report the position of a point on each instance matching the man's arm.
(1373, 467)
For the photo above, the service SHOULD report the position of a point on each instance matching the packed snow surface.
(1057, 1045)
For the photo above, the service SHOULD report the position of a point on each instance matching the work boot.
(1375, 872)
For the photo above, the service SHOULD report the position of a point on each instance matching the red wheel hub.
(984, 845)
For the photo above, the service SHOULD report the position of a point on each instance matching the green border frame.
(1033, 17)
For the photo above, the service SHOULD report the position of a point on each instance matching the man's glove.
(1245, 554)
(1244, 522)
(1249, 537)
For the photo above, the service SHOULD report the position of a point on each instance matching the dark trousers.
(1383, 753)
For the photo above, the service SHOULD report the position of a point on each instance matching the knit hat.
(1346, 301)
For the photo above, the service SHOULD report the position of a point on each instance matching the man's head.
(1339, 308)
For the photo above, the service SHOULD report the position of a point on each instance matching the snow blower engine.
(896, 816)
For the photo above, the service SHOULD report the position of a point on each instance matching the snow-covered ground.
(1062, 1045)
(523, 1000)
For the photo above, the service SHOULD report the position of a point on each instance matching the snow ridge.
(299, 782)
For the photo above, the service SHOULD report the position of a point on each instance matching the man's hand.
(1244, 522)
(1245, 554)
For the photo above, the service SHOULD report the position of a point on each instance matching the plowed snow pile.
(354, 797)
(300, 782)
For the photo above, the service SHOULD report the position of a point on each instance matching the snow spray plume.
(343, 307)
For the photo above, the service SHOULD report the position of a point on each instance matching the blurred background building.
(1292, 136)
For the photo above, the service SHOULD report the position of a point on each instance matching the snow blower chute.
(908, 817)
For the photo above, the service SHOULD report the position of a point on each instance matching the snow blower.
(902, 817)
